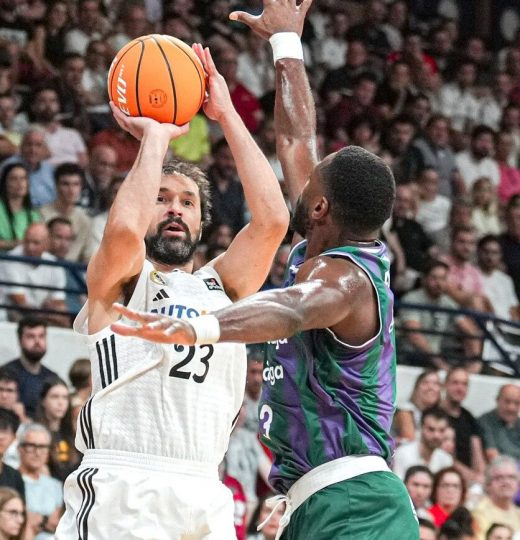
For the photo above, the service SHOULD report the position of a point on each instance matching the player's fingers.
(139, 316)
(199, 51)
(243, 17)
(305, 5)
(161, 324)
(210, 64)
(124, 329)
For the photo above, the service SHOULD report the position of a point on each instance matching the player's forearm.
(261, 187)
(132, 209)
(295, 121)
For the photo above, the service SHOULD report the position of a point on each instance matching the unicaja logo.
(121, 91)
(272, 374)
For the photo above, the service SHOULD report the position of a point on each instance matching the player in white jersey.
(159, 419)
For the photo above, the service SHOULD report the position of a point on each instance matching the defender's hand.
(218, 103)
(154, 327)
(278, 16)
(138, 125)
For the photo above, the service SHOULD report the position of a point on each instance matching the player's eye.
(161, 198)
(187, 202)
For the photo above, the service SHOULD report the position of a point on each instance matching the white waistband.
(319, 478)
(149, 462)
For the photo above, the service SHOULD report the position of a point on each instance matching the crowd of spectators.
(440, 104)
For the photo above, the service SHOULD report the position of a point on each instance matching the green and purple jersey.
(323, 399)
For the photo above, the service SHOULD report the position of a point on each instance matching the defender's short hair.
(360, 188)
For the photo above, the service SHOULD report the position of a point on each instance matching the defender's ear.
(320, 209)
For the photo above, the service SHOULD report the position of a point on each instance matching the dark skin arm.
(328, 293)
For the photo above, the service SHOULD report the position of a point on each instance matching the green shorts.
(372, 506)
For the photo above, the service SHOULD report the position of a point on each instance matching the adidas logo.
(161, 295)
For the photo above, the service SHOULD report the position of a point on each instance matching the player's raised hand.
(218, 103)
(138, 125)
(154, 327)
(277, 16)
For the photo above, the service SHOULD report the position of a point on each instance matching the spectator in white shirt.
(477, 161)
(330, 51)
(434, 209)
(255, 70)
(492, 105)
(498, 286)
(427, 450)
(457, 99)
(484, 215)
(91, 25)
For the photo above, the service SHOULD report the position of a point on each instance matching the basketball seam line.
(171, 80)
(196, 69)
(137, 78)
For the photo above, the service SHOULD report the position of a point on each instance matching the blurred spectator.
(91, 25)
(501, 426)
(396, 23)
(491, 105)
(28, 369)
(125, 145)
(420, 347)
(55, 413)
(465, 282)
(485, 216)
(427, 449)
(9, 129)
(360, 103)
(227, 195)
(449, 442)
(255, 367)
(80, 377)
(510, 241)
(477, 161)
(246, 104)
(239, 500)
(255, 66)
(395, 90)
(33, 154)
(43, 494)
(498, 286)
(61, 238)
(449, 492)
(69, 183)
(275, 279)
(418, 480)
(16, 211)
(419, 109)
(93, 90)
(9, 394)
(434, 209)
(330, 50)
(397, 140)
(65, 144)
(12, 515)
(262, 513)
(266, 139)
(9, 477)
(458, 100)
(371, 31)
(417, 247)
(498, 504)
(339, 82)
(497, 531)
(426, 393)
(48, 41)
(35, 244)
(434, 150)
(511, 124)
(509, 175)
(98, 176)
(134, 24)
(469, 450)
(427, 530)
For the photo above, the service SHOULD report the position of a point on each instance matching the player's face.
(174, 233)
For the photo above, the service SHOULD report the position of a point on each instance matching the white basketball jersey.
(173, 401)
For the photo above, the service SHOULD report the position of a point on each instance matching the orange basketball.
(159, 77)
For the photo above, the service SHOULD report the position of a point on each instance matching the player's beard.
(300, 219)
(171, 251)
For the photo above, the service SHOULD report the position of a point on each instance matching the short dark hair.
(432, 265)
(436, 412)
(365, 76)
(9, 420)
(494, 526)
(461, 229)
(58, 220)
(487, 240)
(481, 129)
(360, 188)
(79, 373)
(416, 469)
(427, 524)
(8, 375)
(193, 172)
(66, 169)
(29, 322)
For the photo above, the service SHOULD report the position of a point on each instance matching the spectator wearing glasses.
(498, 504)
(44, 494)
(12, 515)
(9, 477)
(449, 492)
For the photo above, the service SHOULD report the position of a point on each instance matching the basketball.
(159, 77)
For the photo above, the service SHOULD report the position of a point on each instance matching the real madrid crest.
(156, 278)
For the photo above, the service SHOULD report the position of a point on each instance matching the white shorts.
(127, 496)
